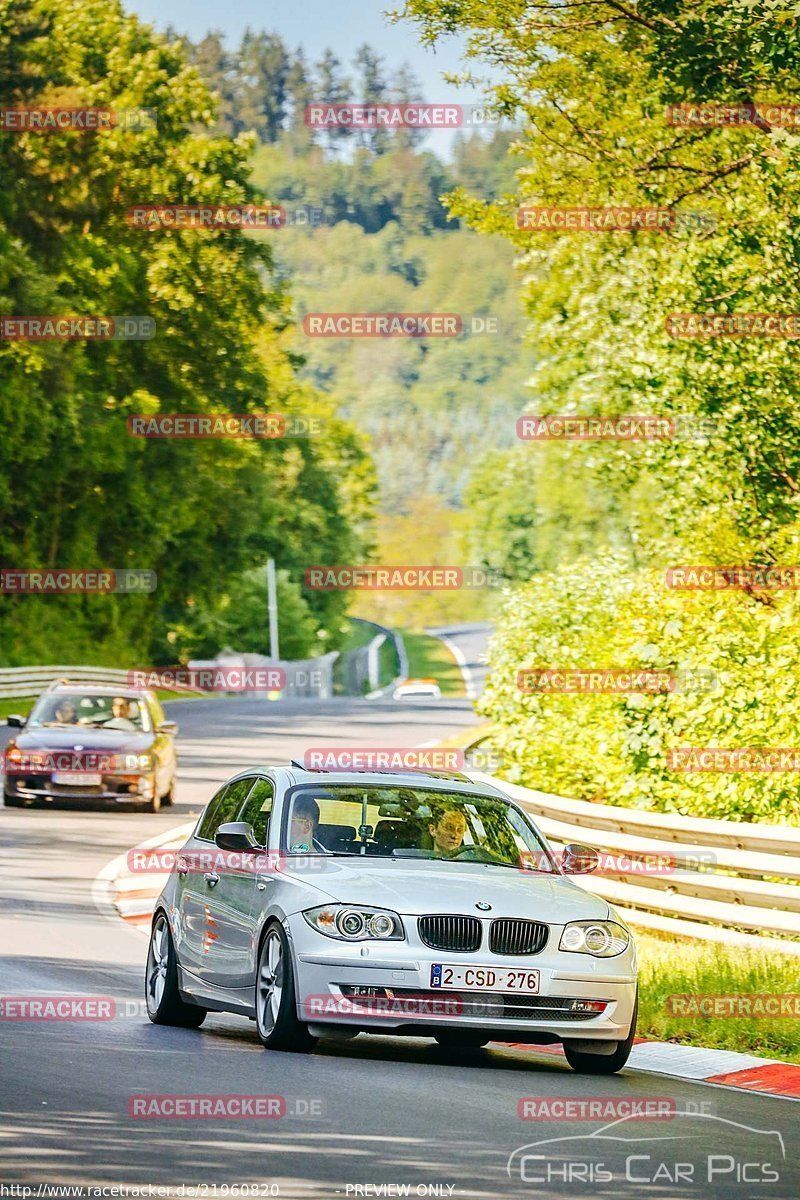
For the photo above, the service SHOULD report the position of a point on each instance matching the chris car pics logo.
(690, 1151)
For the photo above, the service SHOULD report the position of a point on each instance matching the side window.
(235, 797)
(258, 808)
(224, 807)
(208, 822)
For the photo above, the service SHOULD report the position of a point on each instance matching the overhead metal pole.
(272, 604)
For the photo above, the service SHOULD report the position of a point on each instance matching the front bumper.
(326, 970)
(116, 789)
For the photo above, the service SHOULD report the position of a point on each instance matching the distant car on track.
(405, 903)
(416, 687)
(87, 743)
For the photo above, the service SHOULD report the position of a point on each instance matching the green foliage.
(197, 513)
(598, 302)
(590, 81)
(613, 748)
(240, 620)
(426, 405)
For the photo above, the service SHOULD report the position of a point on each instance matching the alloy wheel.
(158, 963)
(270, 983)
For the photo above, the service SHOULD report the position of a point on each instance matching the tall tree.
(195, 512)
(260, 95)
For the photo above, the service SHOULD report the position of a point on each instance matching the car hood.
(449, 888)
(90, 740)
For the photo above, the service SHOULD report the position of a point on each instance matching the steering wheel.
(475, 854)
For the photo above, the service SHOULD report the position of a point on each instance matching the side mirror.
(15, 721)
(579, 860)
(167, 727)
(236, 835)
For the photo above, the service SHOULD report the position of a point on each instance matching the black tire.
(604, 1064)
(12, 801)
(169, 796)
(462, 1039)
(166, 1007)
(277, 1023)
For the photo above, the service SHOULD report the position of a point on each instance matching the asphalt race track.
(360, 1115)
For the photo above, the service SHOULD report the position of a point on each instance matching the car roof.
(295, 775)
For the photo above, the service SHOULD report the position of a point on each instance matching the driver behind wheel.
(448, 832)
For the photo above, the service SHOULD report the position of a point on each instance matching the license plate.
(458, 977)
(77, 779)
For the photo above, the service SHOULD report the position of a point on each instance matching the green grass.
(358, 634)
(428, 657)
(22, 705)
(669, 966)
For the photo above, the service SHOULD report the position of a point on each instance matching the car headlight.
(26, 760)
(601, 939)
(355, 923)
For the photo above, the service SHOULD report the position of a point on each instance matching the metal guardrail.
(360, 669)
(727, 881)
(30, 681)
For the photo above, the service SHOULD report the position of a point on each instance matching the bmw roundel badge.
(483, 906)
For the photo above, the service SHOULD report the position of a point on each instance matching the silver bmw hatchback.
(412, 904)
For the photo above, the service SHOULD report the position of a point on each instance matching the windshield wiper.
(323, 854)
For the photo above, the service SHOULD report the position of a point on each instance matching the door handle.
(261, 882)
(211, 878)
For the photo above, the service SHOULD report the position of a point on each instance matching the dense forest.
(592, 529)
(205, 515)
(75, 489)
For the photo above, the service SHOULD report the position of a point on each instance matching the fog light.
(588, 1006)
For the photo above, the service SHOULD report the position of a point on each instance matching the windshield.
(414, 823)
(78, 708)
